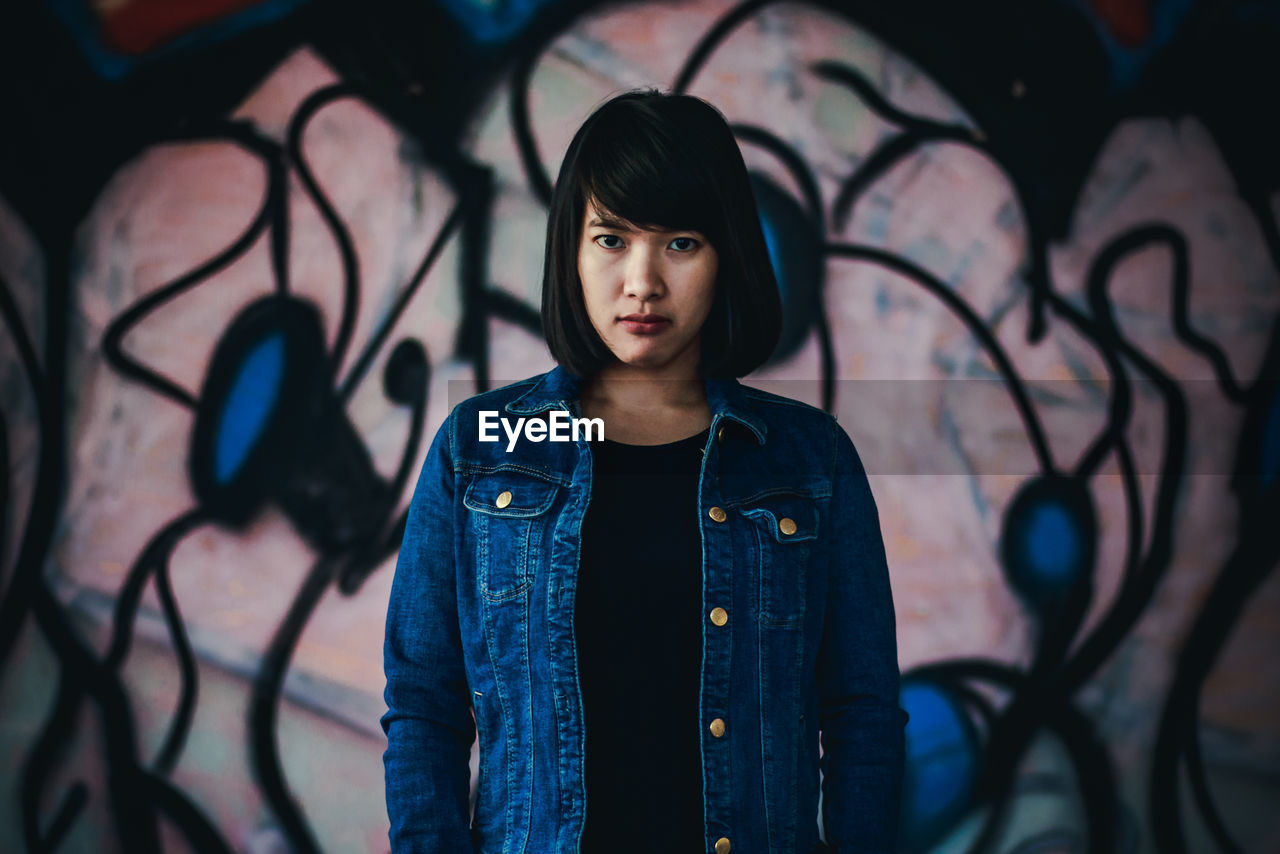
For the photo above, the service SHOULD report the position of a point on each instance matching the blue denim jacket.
(798, 638)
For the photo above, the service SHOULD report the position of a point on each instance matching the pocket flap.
(510, 492)
(791, 517)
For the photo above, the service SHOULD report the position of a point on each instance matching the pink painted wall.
(945, 446)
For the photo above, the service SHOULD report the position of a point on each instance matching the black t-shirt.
(639, 637)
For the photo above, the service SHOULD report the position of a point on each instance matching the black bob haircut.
(671, 162)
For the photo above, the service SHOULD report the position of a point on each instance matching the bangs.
(652, 178)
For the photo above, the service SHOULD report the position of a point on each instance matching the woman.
(654, 632)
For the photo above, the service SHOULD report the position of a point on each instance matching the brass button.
(717, 727)
(720, 434)
(787, 525)
(719, 616)
(718, 514)
(722, 845)
(504, 498)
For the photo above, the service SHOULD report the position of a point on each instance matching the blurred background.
(251, 251)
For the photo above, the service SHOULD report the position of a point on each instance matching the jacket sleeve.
(428, 722)
(859, 717)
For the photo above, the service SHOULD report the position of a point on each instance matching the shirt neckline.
(697, 438)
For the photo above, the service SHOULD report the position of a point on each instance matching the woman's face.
(647, 292)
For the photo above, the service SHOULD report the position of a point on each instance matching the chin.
(644, 359)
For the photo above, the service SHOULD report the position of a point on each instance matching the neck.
(676, 385)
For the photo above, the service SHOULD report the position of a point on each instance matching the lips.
(644, 324)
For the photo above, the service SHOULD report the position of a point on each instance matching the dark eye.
(609, 241)
(684, 244)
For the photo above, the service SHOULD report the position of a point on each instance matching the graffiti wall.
(251, 254)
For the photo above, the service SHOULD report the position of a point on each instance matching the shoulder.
(799, 439)
(810, 433)
(788, 406)
(483, 431)
(791, 416)
(468, 411)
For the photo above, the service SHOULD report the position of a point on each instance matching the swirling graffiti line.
(270, 430)
(1049, 536)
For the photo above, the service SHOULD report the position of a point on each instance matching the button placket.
(718, 590)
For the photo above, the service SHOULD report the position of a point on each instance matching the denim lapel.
(559, 389)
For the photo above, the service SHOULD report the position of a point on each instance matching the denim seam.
(465, 466)
(514, 513)
(798, 666)
(780, 490)
(785, 539)
(764, 685)
(505, 724)
(584, 448)
(526, 817)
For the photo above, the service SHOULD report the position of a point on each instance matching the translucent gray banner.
(986, 427)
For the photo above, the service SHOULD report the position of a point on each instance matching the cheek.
(587, 281)
(596, 299)
(595, 279)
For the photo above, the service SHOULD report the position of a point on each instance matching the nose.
(643, 276)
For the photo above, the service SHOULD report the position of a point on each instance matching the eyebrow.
(599, 221)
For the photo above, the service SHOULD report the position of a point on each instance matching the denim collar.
(557, 387)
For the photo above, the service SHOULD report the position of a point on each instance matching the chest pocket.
(508, 519)
(785, 525)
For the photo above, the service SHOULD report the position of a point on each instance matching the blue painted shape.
(1128, 63)
(249, 406)
(795, 253)
(1270, 460)
(882, 301)
(1049, 540)
(943, 758)
(1050, 546)
(772, 243)
(82, 23)
(496, 21)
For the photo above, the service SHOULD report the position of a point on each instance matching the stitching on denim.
(764, 691)
(467, 467)
(532, 382)
(472, 503)
(793, 491)
(573, 635)
(784, 540)
(452, 437)
(542, 407)
(524, 581)
(767, 615)
(796, 677)
(526, 818)
(503, 723)
(482, 551)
